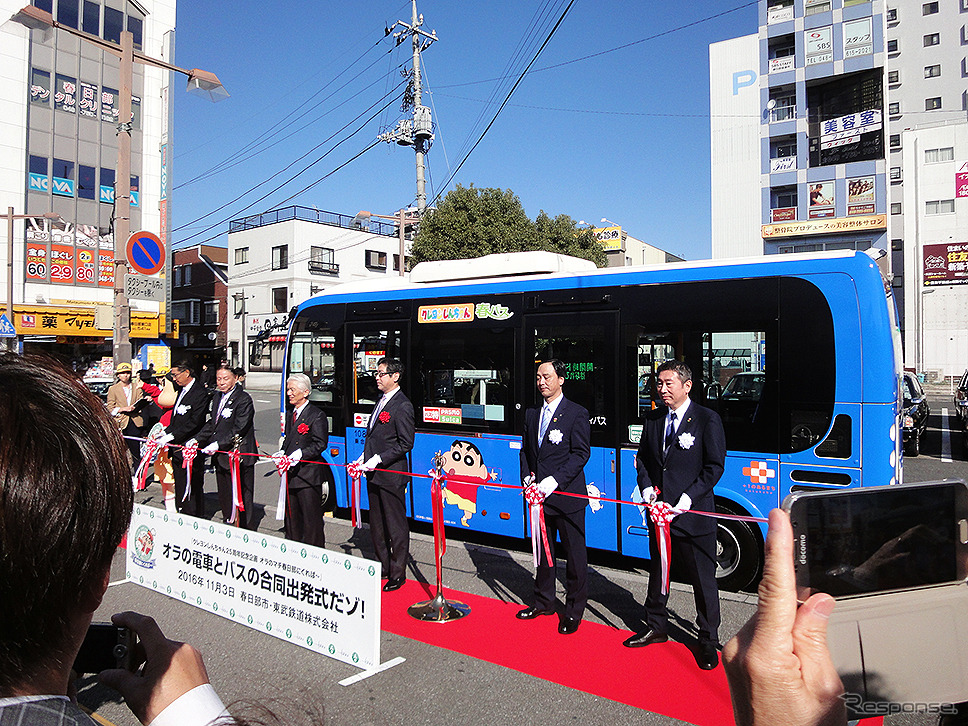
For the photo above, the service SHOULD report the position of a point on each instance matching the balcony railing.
(318, 267)
(307, 214)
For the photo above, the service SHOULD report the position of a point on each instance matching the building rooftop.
(307, 214)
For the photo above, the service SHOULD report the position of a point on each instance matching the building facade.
(58, 128)
(199, 297)
(279, 259)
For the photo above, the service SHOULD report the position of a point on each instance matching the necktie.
(543, 425)
(376, 411)
(670, 431)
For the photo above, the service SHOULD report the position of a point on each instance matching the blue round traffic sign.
(145, 252)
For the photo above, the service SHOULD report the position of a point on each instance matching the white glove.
(684, 504)
(295, 457)
(372, 463)
(648, 495)
(359, 461)
(211, 448)
(528, 481)
(165, 438)
(114, 411)
(547, 485)
(278, 455)
(190, 442)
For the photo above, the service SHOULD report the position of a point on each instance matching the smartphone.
(106, 646)
(859, 542)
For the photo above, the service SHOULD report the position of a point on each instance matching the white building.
(279, 259)
(58, 154)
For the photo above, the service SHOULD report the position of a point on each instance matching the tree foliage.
(471, 222)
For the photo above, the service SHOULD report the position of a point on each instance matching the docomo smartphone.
(106, 646)
(896, 559)
(858, 542)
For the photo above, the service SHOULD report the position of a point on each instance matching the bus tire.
(913, 446)
(739, 551)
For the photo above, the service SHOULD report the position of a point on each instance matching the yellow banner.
(76, 321)
(825, 226)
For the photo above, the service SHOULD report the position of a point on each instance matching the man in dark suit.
(307, 434)
(554, 450)
(230, 427)
(187, 419)
(389, 438)
(680, 458)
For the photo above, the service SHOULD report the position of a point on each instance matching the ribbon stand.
(438, 610)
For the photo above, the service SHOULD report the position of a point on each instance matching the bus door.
(586, 343)
(366, 344)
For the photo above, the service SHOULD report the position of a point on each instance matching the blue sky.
(622, 133)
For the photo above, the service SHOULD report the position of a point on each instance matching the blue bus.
(799, 354)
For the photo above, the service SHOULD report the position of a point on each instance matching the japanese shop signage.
(825, 226)
(461, 312)
(76, 321)
(316, 598)
(945, 264)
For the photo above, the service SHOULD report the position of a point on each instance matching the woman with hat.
(124, 403)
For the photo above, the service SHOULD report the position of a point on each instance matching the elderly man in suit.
(554, 451)
(307, 434)
(389, 438)
(680, 458)
(230, 427)
(187, 419)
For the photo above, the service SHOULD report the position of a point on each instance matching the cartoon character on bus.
(464, 459)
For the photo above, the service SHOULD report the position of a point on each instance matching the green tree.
(471, 222)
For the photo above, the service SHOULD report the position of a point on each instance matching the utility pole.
(416, 132)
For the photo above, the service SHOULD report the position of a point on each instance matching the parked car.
(915, 412)
(961, 409)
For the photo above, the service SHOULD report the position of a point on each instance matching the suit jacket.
(188, 415)
(312, 440)
(117, 399)
(565, 460)
(46, 712)
(236, 419)
(691, 469)
(391, 436)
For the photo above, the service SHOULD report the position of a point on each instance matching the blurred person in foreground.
(65, 503)
(778, 666)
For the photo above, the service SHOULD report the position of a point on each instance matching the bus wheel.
(739, 551)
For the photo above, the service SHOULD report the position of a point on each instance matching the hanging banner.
(62, 264)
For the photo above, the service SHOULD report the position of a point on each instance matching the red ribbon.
(152, 447)
(662, 514)
(437, 485)
(237, 505)
(282, 466)
(355, 472)
(535, 500)
(189, 452)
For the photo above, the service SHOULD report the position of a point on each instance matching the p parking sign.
(145, 252)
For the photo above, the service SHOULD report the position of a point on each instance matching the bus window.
(647, 351)
(588, 375)
(313, 352)
(739, 389)
(369, 346)
(465, 378)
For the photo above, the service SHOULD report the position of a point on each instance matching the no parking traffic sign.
(145, 252)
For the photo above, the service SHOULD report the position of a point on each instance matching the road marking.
(259, 400)
(372, 672)
(117, 582)
(945, 437)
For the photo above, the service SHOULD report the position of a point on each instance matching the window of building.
(241, 255)
(812, 7)
(895, 172)
(376, 260)
(39, 87)
(932, 39)
(280, 257)
(894, 108)
(37, 180)
(210, 314)
(893, 77)
(38, 165)
(892, 46)
(784, 104)
(322, 261)
(891, 15)
(62, 178)
(897, 244)
(933, 156)
(895, 141)
(396, 263)
(106, 188)
(783, 146)
(187, 312)
(91, 21)
(942, 206)
(67, 12)
(86, 182)
(932, 71)
(280, 299)
(48, 5)
(895, 207)
(929, 8)
(136, 28)
(931, 104)
(113, 24)
(183, 275)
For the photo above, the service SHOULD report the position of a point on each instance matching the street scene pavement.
(437, 685)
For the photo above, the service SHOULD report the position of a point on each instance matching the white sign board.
(818, 45)
(319, 599)
(142, 287)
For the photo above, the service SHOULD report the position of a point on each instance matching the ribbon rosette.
(152, 447)
(535, 500)
(661, 514)
(355, 473)
(234, 462)
(282, 466)
(189, 452)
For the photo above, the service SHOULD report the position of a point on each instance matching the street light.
(10, 217)
(199, 82)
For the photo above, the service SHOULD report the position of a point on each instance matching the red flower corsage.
(384, 416)
(302, 428)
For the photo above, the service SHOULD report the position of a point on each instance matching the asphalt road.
(432, 686)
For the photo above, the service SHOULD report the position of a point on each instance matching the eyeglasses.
(380, 374)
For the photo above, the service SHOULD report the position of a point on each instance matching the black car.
(961, 409)
(915, 413)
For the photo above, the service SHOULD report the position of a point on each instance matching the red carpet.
(662, 678)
